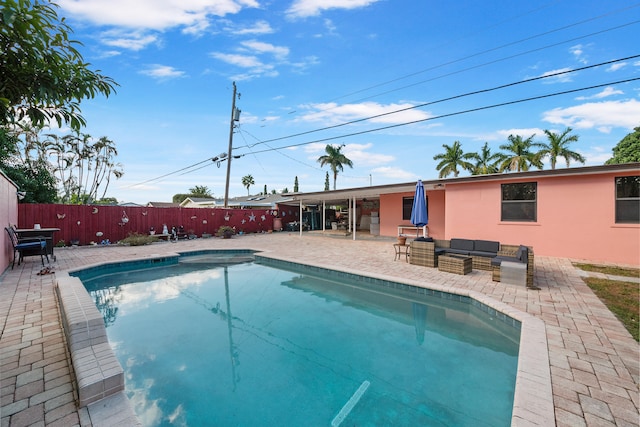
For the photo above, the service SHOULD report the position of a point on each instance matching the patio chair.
(27, 247)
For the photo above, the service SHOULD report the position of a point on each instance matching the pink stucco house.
(587, 213)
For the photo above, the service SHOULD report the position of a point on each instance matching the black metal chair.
(27, 247)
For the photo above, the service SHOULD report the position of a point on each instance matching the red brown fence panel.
(95, 224)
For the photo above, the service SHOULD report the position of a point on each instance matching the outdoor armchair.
(27, 247)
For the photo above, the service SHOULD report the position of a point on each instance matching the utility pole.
(235, 116)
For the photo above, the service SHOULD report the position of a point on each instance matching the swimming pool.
(268, 342)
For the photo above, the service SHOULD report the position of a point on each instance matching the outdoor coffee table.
(457, 264)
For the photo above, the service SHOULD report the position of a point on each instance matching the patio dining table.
(45, 233)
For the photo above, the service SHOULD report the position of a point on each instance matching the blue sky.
(305, 65)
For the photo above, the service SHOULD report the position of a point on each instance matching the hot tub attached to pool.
(266, 342)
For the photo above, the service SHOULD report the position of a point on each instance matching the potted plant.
(225, 232)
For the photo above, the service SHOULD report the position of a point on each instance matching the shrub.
(225, 231)
(137, 239)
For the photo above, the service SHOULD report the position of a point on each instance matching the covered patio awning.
(350, 195)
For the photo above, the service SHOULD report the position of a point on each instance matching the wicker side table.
(457, 264)
(401, 250)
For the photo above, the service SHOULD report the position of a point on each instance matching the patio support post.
(300, 218)
(324, 215)
(353, 214)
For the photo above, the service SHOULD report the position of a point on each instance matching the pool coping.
(533, 398)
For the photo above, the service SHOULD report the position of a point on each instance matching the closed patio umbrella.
(419, 216)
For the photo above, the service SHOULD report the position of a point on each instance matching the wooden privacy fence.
(96, 224)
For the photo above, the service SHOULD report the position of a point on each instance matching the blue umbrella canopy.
(419, 216)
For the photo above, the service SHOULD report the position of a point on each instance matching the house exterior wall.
(8, 216)
(575, 218)
(391, 213)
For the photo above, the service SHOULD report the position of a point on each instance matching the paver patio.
(594, 361)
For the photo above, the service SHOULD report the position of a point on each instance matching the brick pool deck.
(594, 363)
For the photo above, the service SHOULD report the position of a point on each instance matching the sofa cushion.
(498, 260)
(441, 251)
(486, 246)
(523, 254)
(424, 239)
(482, 253)
(462, 244)
(457, 251)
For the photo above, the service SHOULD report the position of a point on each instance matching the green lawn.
(622, 298)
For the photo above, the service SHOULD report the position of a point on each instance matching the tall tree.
(247, 181)
(295, 185)
(33, 177)
(327, 186)
(558, 146)
(84, 166)
(627, 150)
(486, 162)
(519, 156)
(451, 159)
(265, 190)
(335, 159)
(43, 76)
(200, 191)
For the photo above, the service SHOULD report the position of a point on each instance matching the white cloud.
(523, 132)
(258, 58)
(606, 92)
(306, 8)
(244, 61)
(333, 113)
(154, 14)
(394, 173)
(561, 78)
(258, 47)
(162, 72)
(599, 115)
(617, 66)
(578, 52)
(258, 28)
(359, 154)
(132, 40)
(109, 54)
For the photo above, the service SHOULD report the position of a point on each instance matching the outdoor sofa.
(485, 254)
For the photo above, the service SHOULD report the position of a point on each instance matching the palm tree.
(521, 157)
(486, 162)
(558, 146)
(335, 159)
(247, 181)
(451, 159)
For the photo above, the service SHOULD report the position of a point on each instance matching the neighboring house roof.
(130, 204)
(262, 201)
(199, 202)
(162, 205)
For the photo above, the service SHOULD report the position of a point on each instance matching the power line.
(169, 174)
(448, 99)
(497, 60)
(575, 24)
(502, 104)
(412, 122)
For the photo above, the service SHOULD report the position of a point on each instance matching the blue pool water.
(205, 343)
